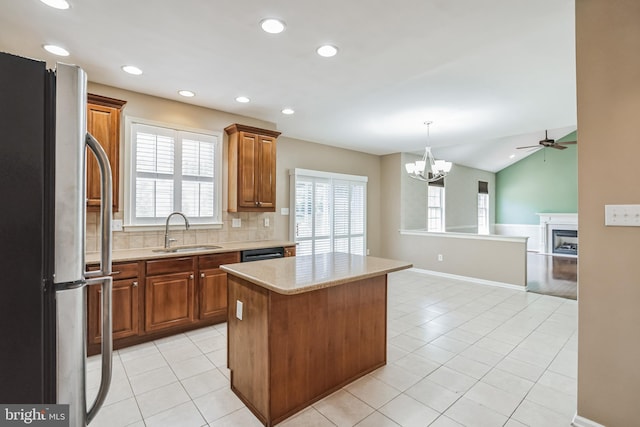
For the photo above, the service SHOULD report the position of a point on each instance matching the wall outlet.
(622, 215)
(116, 225)
(440, 257)
(239, 309)
(266, 222)
(236, 222)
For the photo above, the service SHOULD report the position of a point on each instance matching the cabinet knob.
(135, 284)
(191, 276)
(257, 203)
(202, 275)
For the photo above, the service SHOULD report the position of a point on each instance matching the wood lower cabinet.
(125, 306)
(213, 285)
(169, 293)
(290, 251)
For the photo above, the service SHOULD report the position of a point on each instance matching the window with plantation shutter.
(173, 170)
(330, 212)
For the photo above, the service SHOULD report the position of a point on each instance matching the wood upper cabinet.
(252, 169)
(124, 304)
(169, 293)
(213, 284)
(103, 122)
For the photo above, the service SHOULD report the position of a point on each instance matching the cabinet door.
(290, 251)
(169, 301)
(104, 124)
(213, 293)
(124, 310)
(247, 173)
(266, 183)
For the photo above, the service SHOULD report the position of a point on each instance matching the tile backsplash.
(252, 229)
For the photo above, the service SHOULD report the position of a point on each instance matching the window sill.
(157, 227)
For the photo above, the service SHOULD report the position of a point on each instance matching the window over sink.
(172, 169)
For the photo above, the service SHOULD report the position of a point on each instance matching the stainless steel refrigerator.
(43, 149)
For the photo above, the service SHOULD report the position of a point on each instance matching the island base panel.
(313, 343)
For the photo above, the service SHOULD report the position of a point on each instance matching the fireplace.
(564, 242)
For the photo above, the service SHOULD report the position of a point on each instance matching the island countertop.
(304, 273)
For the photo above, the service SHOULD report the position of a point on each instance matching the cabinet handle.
(257, 203)
(202, 275)
(191, 276)
(135, 284)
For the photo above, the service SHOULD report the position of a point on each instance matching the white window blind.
(483, 213)
(330, 212)
(173, 170)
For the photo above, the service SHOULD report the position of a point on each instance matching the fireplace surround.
(559, 234)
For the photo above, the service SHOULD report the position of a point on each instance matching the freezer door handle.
(107, 345)
(105, 270)
(106, 215)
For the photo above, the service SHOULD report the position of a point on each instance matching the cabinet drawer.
(216, 260)
(170, 265)
(127, 270)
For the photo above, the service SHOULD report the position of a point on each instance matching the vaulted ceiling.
(491, 75)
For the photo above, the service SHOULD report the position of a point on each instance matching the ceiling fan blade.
(558, 147)
(528, 146)
(567, 143)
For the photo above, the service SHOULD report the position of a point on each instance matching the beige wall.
(492, 260)
(461, 198)
(608, 77)
(291, 153)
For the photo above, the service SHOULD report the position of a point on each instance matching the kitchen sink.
(192, 248)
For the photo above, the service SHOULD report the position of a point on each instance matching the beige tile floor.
(459, 354)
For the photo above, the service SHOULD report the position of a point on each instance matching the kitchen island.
(300, 328)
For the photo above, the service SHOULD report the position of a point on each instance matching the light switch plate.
(239, 309)
(236, 222)
(284, 211)
(622, 215)
(266, 222)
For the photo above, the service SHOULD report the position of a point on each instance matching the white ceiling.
(490, 74)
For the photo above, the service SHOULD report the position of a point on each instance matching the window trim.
(129, 166)
(441, 208)
(331, 176)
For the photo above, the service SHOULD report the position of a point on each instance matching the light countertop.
(148, 253)
(294, 275)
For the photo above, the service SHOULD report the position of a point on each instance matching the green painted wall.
(546, 181)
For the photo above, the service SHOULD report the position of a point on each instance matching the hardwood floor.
(552, 275)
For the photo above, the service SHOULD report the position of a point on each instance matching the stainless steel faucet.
(167, 240)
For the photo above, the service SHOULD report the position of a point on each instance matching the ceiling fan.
(549, 142)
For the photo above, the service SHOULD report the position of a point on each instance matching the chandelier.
(428, 169)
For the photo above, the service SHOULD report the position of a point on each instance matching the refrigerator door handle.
(105, 270)
(106, 215)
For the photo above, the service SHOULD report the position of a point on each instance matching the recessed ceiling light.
(56, 50)
(327, 50)
(512, 156)
(243, 99)
(288, 111)
(131, 70)
(272, 25)
(187, 93)
(58, 4)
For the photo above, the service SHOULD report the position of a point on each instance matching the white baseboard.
(469, 279)
(579, 421)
